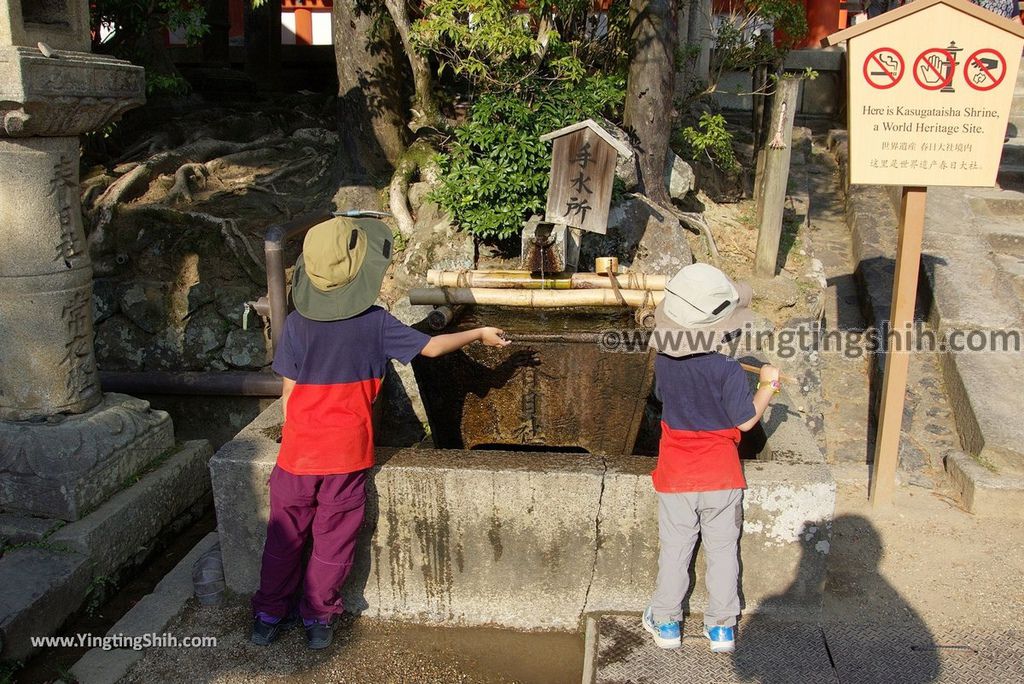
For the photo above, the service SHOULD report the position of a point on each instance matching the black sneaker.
(265, 633)
(319, 635)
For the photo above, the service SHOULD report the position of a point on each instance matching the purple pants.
(331, 508)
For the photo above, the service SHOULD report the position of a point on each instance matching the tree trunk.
(426, 111)
(216, 42)
(371, 100)
(263, 43)
(649, 90)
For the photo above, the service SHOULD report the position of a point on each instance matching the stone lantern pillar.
(64, 447)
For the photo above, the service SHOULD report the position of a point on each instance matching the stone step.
(151, 615)
(1011, 177)
(1013, 152)
(43, 584)
(1015, 126)
(962, 282)
(1017, 105)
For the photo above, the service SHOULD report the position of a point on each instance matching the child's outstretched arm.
(767, 375)
(440, 345)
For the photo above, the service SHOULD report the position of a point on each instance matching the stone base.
(70, 465)
(43, 584)
(526, 540)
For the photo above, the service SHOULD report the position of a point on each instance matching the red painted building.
(308, 22)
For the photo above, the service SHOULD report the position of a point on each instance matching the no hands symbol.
(989, 69)
(933, 69)
(883, 68)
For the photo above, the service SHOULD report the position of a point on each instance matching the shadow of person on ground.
(860, 628)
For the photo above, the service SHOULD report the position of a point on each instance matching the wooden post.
(897, 358)
(776, 175)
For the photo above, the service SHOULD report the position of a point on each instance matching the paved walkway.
(777, 651)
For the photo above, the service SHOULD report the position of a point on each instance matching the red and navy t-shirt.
(704, 397)
(337, 367)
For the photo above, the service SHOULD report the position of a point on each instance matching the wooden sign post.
(930, 87)
(583, 159)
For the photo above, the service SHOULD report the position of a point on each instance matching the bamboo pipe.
(532, 298)
(524, 279)
(756, 370)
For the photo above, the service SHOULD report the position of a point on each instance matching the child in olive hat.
(333, 353)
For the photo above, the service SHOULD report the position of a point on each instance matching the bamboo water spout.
(534, 298)
(498, 279)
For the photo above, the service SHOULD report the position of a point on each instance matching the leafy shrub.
(495, 173)
(711, 139)
(166, 84)
(501, 45)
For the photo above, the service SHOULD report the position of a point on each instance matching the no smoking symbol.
(883, 68)
(985, 69)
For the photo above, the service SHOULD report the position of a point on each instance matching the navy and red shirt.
(704, 398)
(337, 367)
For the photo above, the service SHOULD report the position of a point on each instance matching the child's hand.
(493, 337)
(768, 374)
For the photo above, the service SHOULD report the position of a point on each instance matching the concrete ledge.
(521, 540)
(788, 437)
(787, 510)
(151, 615)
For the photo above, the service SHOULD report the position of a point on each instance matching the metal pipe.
(273, 247)
(202, 383)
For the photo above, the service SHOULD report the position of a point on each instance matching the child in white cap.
(707, 403)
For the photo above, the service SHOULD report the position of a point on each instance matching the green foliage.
(9, 671)
(495, 46)
(743, 42)
(131, 19)
(495, 173)
(97, 592)
(166, 84)
(710, 138)
(527, 70)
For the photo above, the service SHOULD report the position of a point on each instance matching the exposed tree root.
(186, 173)
(414, 159)
(136, 182)
(700, 225)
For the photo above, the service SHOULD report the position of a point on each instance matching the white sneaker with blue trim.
(666, 635)
(722, 639)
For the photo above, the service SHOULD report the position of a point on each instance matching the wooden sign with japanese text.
(930, 89)
(582, 172)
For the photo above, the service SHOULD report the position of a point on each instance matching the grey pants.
(717, 518)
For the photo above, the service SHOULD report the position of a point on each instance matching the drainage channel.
(111, 603)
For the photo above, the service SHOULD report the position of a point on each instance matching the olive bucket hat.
(341, 268)
(702, 310)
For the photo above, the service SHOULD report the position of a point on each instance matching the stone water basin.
(555, 388)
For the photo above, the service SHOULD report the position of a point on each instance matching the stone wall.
(527, 540)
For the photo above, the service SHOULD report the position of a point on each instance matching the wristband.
(774, 384)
